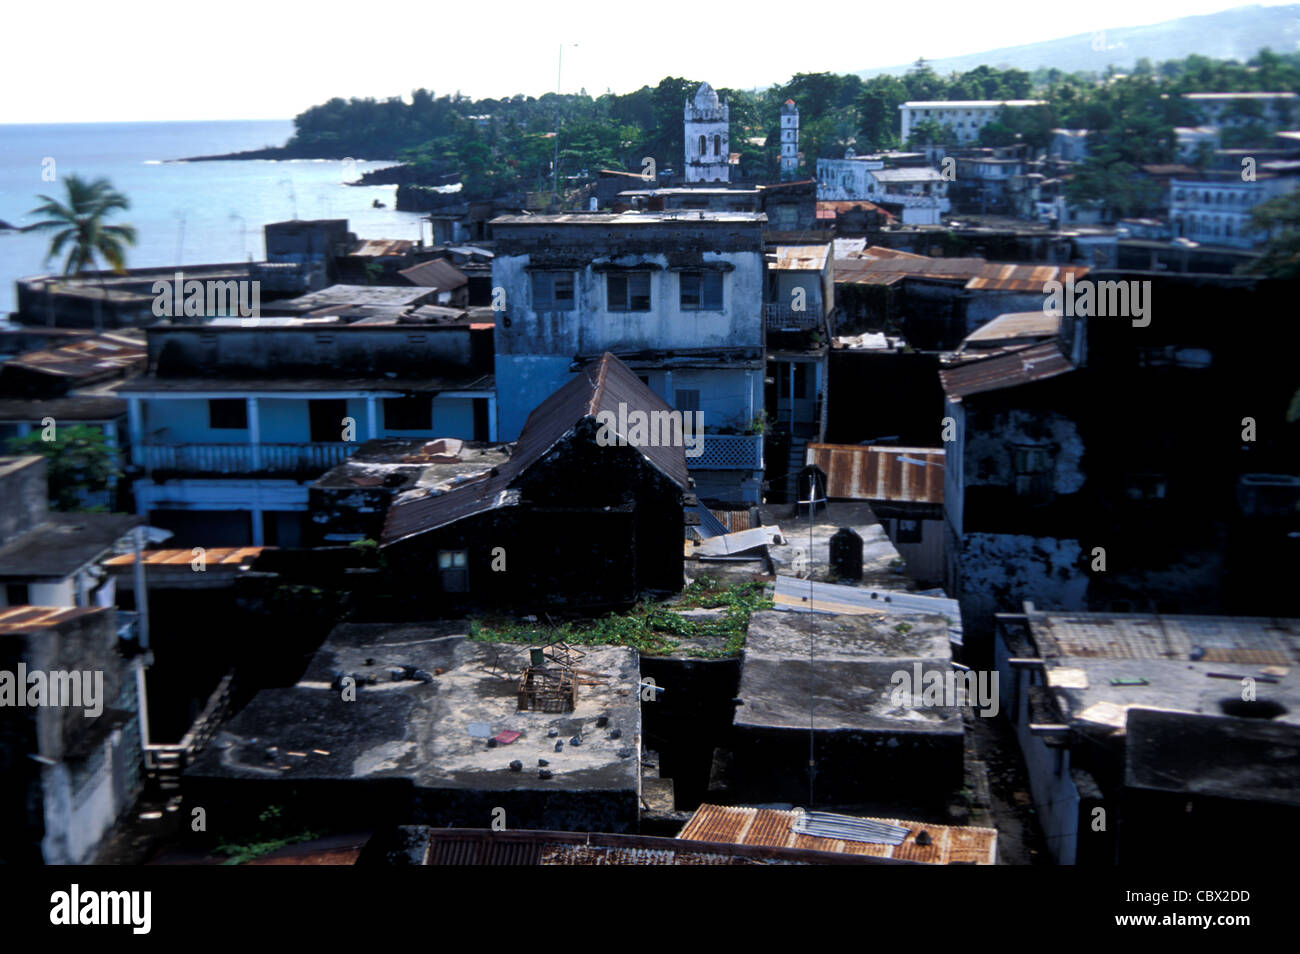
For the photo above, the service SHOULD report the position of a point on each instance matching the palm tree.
(78, 225)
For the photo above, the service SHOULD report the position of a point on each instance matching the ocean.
(185, 213)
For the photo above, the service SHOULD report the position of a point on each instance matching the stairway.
(795, 463)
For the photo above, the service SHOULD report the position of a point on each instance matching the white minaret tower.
(789, 139)
(708, 140)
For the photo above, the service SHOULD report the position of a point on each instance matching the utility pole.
(555, 164)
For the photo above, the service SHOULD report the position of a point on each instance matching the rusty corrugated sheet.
(881, 473)
(1244, 640)
(101, 355)
(213, 556)
(801, 258)
(381, 247)
(774, 828)
(1017, 325)
(1027, 278)
(23, 619)
(1004, 370)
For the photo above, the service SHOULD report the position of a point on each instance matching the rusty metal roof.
(101, 356)
(774, 828)
(478, 847)
(1003, 277)
(801, 258)
(1015, 326)
(375, 248)
(1004, 370)
(602, 385)
(213, 556)
(881, 473)
(865, 270)
(25, 619)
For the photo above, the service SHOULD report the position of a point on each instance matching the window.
(907, 531)
(453, 568)
(628, 291)
(408, 413)
(228, 414)
(704, 147)
(16, 594)
(553, 291)
(1033, 471)
(717, 145)
(701, 291)
(687, 400)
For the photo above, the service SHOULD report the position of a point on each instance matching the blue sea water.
(185, 213)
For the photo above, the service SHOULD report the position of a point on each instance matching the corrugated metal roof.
(865, 270)
(381, 247)
(775, 828)
(601, 386)
(1015, 326)
(1004, 370)
(801, 258)
(522, 847)
(1228, 639)
(213, 556)
(24, 619)
(790, 593)
(436, 273)
(99, 356)
(881, 473)
(1030, 278)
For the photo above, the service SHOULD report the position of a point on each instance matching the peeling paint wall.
(989, 448)
(998, 572)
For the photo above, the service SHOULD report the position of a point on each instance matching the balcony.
(785, 318)
(232, 459)
(729, 452)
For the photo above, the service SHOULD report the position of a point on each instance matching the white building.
(920, 191)
(708, 139)
(1216, 211)
(1275, 110)
(677, 296)
(789, 139)
(965, 116)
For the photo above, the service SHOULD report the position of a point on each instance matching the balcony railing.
(313, 458)
(781, 317)
(729, 452)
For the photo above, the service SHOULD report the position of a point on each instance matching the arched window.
(704, 149)
(717, 145)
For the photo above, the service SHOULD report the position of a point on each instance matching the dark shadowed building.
(566, 519)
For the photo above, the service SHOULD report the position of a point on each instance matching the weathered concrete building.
(230, 423)
(1145, 735)
(508, 536)
(71, 755)
(678, 297)
(431, 733)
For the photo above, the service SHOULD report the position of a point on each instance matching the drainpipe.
(141, 594)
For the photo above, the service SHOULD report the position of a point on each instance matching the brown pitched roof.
(601, 386)
(436, 273)
(1005, 370)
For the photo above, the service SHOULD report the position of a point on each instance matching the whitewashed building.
(965, 116)
(1216, 210)
(677, 296)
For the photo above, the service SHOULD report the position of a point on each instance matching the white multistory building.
(965, 116)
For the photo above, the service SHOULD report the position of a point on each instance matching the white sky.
(101, 61)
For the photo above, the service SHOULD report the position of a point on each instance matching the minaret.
(789, 139)
(708, 140)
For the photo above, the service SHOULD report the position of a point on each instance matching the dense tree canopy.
(498, 145)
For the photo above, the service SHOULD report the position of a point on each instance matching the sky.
(139, 60)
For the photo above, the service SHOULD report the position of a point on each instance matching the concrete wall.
(26, 497)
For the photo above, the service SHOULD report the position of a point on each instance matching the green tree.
(1280, 219)
(79, 226)
(79, 463)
